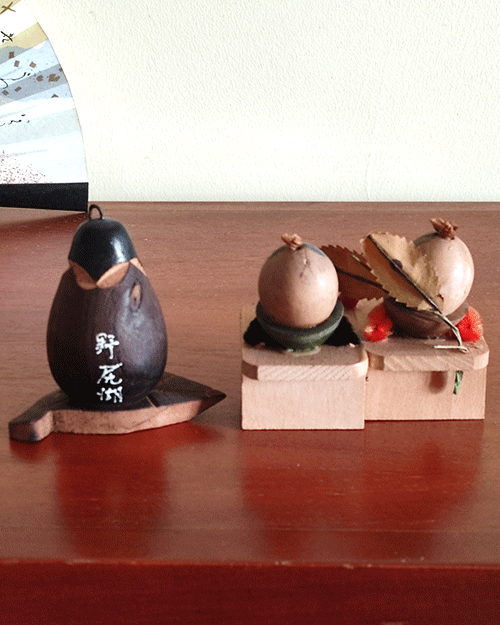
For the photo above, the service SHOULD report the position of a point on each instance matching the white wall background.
(284, 99)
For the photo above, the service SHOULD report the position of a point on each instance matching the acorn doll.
(106, 336)
(424, 284)
(298, 307)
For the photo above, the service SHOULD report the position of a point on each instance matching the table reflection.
(112, 490)
(375, 493)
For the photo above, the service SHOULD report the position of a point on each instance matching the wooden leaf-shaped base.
(173, 400)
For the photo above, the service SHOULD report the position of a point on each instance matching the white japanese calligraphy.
(111, 394)
(105, 341)
(110, 379)
(108, 374)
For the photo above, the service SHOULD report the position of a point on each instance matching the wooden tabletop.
(204, 523)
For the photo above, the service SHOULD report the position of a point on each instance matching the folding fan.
(42, 157)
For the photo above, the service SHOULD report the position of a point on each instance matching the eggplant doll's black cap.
(99, 244)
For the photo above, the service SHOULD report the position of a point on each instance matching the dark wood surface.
(204, 523)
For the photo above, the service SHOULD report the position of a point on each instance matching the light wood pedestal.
(410, 379)
(323, 390)
(339, 388)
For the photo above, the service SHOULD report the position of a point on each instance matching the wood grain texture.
(303, 405)
(428, 395)
(202, 521)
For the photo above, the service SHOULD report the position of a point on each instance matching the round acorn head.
(99, 244)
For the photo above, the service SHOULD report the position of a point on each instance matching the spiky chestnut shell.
(298, 284)
(452, 261)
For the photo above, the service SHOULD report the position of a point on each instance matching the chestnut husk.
(421, 323)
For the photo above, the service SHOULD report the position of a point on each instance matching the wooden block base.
(316, 405)
(290, 391)
(173, 400)
(411, 379)
(399, 379)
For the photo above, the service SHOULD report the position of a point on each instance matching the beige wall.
(284, 99)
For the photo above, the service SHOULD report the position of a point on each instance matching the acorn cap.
(99, 244)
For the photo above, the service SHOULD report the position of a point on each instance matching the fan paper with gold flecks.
(42, 156)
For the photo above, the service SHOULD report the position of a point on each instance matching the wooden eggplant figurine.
(106, 336)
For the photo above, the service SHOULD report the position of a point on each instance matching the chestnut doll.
(106, 336)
